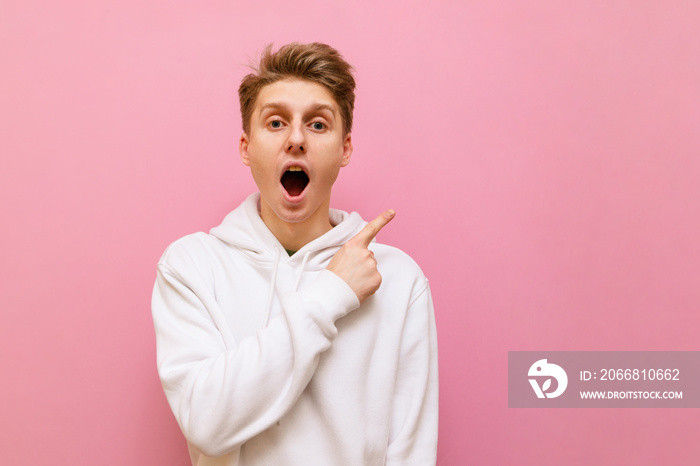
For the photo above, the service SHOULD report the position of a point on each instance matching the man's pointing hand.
(355, 264)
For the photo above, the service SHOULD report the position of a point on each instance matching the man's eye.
(318, 126)
(275, 124)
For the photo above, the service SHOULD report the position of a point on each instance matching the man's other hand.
(355, 263)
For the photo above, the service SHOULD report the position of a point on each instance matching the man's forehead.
(296, 93)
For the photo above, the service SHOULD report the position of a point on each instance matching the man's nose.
(297, 140)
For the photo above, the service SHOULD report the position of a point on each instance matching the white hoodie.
(268, 359)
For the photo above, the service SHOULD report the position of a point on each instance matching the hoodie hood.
(244, 229)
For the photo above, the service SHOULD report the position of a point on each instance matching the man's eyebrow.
(319, 107)
(282, 106)
(273, 105)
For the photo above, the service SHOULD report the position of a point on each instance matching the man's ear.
(243, 149)
(347, 151)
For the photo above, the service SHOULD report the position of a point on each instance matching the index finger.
(367, 234)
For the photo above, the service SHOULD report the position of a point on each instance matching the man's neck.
(293, 236)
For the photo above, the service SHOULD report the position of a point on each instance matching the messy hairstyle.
(316, 62)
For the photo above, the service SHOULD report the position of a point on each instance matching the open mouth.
(294, 180)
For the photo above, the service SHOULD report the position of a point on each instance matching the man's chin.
(293, 218)
(293, 214)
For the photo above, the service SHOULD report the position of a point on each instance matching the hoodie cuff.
(332, 294)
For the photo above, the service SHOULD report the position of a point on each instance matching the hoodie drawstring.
(274, 281)
(272, 286)
(301, 270)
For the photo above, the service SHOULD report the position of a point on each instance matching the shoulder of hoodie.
(192, 250)
(397, 266)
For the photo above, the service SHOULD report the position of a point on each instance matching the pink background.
(543, 157)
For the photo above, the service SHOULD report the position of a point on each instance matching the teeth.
(294, 169)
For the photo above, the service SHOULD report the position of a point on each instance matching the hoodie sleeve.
(221, 395)
(414, 426)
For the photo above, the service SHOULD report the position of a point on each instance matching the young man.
(276, 343)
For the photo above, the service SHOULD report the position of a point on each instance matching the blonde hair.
(315, 62)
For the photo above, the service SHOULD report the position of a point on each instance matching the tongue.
(294, 182)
